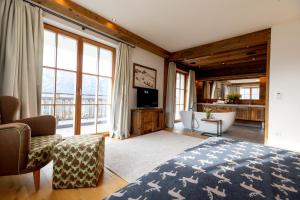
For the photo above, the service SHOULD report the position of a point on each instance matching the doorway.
(77, 82)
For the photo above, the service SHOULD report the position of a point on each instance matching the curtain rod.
(47, 10)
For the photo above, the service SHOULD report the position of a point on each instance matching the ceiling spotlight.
(253, 59)
(223, 63)
(114, 19)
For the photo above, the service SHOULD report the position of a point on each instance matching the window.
(77, 82)
(96, 103)
(180, 94)
(250, 93)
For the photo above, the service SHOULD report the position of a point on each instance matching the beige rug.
(132, 158)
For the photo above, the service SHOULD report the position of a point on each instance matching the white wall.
(284, 108)
(146, 58)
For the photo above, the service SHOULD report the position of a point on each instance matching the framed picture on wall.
(144, 76)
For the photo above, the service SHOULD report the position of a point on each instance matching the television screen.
(147, 97)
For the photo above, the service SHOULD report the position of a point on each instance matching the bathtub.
(203, 126)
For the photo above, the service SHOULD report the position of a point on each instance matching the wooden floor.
(21, 187)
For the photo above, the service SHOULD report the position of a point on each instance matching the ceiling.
(249, 55)
(179, 24)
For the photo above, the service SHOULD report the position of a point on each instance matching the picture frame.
(144, 77)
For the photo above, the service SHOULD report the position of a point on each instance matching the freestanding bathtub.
(192, 120)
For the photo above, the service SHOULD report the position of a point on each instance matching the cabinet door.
(161, 120)
(147, 116)
(147, 121)
(242, 113)
(258, 114)
(155, 122)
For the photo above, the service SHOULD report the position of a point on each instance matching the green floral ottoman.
(78, 162)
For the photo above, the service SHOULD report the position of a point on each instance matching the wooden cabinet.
(147, 120)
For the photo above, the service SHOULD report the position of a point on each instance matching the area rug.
(136, 156)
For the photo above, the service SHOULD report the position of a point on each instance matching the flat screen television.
(147, 97)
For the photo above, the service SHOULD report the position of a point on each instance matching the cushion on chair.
(41, 148)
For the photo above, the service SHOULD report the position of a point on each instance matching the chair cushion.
(41, 148)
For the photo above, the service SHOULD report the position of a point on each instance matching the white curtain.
(171, 98)
(214, 90)
(120, 100)
(21, 54)
(192, 91)
(233, 89)
(206, 90)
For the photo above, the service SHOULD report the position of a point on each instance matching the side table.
(219, 126)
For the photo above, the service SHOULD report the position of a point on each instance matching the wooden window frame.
(185, 74)
(80, 41)
(251, 93)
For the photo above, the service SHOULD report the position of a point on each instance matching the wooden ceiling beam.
(234, 70)
(232, 77)
(237, 60)
(85, 16)
(242, 65)
(228, 59)
(235, 43)
(228, 56)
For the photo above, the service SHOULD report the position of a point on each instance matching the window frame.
(251, 93)
(184, 74)
(79, 73)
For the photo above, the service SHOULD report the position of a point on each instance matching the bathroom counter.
(232, 105)
(243, 111)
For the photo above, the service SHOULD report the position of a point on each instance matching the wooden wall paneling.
(166, 68)
(267, 91)
(76, 12)
(262, 88)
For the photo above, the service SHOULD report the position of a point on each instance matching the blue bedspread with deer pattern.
(220, 168)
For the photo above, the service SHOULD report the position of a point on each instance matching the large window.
(77, 82)
(180, 94)
(251, 93)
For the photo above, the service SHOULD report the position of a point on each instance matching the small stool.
(78, 162)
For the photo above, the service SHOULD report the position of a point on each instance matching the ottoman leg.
(36, 179)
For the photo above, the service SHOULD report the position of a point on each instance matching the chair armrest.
(14, 148)
(41, 125)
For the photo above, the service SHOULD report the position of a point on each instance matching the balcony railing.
(65, 109)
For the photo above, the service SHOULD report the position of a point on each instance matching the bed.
(221, 168)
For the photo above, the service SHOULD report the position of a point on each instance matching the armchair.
(25, 145)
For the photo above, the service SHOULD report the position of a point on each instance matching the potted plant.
(208, 113)
(233, 98)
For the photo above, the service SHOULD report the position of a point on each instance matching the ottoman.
(78, 162)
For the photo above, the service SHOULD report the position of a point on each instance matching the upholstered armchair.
(25, 145)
